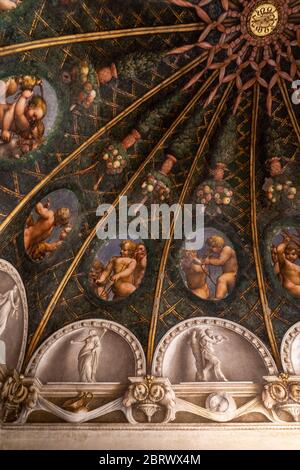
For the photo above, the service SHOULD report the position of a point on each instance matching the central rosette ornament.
(250, 43)
(262, 22)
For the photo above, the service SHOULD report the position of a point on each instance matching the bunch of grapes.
(212, 194)
(115, 158)
(155, 189)
(281, 191)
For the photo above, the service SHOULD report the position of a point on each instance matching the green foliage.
(138, 63)
(272, 143)
(18, 15)
(184, 141)
(274, 140)
(161, 177)
(225, 144)
(154, 118)
(52, 12)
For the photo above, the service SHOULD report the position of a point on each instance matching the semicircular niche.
(282, 256)
(13, 317)
(210, 272)
(290, 350)
(212, 350)
(28, 111)
(50, 223)
(117, 269)
(88, 351)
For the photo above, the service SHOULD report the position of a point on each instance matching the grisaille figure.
(208, 364)
(88, 356)
(9, 305)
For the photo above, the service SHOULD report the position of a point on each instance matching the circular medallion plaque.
(263, 19)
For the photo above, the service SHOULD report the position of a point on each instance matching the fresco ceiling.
(119, 97)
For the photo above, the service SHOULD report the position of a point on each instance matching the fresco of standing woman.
(88, 356)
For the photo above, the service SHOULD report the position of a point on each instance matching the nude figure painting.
(49, 224)
(6, 5)
(211, 272)
(285, 252)
(118, 269)
(28, 108)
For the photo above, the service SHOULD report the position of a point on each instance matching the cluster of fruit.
(115, 159)
(153, 187)
(218, 194)
(79, 77)
(280, 191)
(86, 96)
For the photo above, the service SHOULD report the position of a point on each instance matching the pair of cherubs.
(21, 121)
(196, 270)
(123, 274)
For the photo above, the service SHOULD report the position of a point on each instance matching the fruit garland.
(215, 192)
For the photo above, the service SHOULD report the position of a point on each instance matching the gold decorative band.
(255, 238)
(97, 36)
